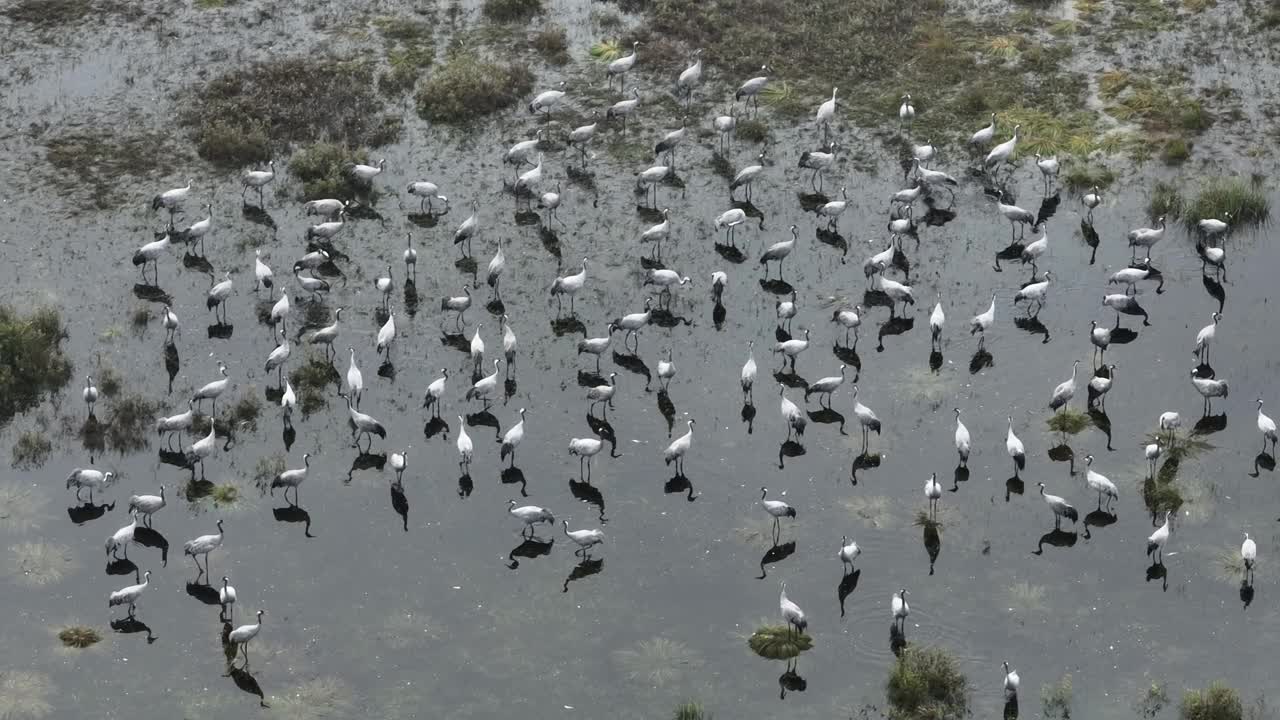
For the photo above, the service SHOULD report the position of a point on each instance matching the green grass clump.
(48, 13)
(31, 450)
(1166, 201)
(225, 494)
(1153, 700)
(606, 50)
(1160, 104)
(1175, 151)
(511, 10)
(1216, 702)
(31, 360)
(1245, 201)
(267, 468)
(245, 411)
(779, 642)
(252, 112)
(468, 86)
(1069, 421)
(926, 683)
(1055, 699)
(1082, 177)
(130, 426)
(552, 43)
(79, 636)
(690, 711)
(109, 382)
(755, 131)
(324, 170)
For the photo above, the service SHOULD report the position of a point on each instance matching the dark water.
(426, 601)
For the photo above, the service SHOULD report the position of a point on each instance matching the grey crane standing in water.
(435, 392)
(623, 108)
(122, 538)
(581, 136)
(175, 423)
(1169, 422)
(512, 439)
(484, 388)
(203, 545)
(621, 66)
(792, 615)
(427, 192)
(751, 88)
(1249, 554)
(818, 162)
(982, 138)
(216, 297)
(724, 125)
(240, 637)
(825, 387)
(1101, 339)
(1061, 508)
(1002, 152)
(667, 369)
(1011, 679)
(1035, 292)
(776, 508)
(1016, 216)
(292, 478)
(1099, 483)
(937, 320)
(1100, 385)
(172, 326)
(570, 285)
(1065, 390)
(633, 323)
(790, 349)
(262, 275)
(150, 254)
(363, 425)
(468, 229)
(779, 252)
(327, 334)
(227, 599)
(547, 100)
(747, 176)
(365, 174)
(1146, 237)
(1152, 453)
(670, 142)
(983, 321)
(900, 608)
(866, 418)
(197, 451)
(129, 595)
(597, 345)
(458, 305)
(849, 551)
(678, 448)
(147, 505)
(849, 319)
(399, 461)
(748, 377)
(602, 394)
(791, 414)
(90, 394)
(1156, 541)
(690, 78)
(1013, 445)
(355, 378)
(1209, 388)
(1091, 200)
(171, 200)
(1205, 338)
(933, 492)
(584, 539)
(827, 111)
(197, 230)
(257, 179)
(530, 515)
(963, 443)
(585, 449)
(1267, 427)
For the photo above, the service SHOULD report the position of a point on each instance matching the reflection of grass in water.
(1228, 566)
(24, 694)
(1055, 698)
(1026, 597)
(779, 642)
(873, 511)
(1153, 699)
(656, 662)
(37, 564)
(21, 507)
(403, 630)
(79, 636)
(129, 429)
(924, 520)
(323, 697)
(1200, 500)
(32, 364)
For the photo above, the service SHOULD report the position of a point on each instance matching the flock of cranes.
(484, 387)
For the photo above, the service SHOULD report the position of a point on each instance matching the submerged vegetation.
(249, 114)
(79, 636)
(779, 642)
(410, 51)
(690, 711)
(1215, 702)
(21, 507)
(36, 564)
(926, 683)
(657, 662)
(95, 162)
(1166, 201)
(468, 86)
(32, 363)
(25, 694)
(511, 10)
(1055, 699)
(1081, 177)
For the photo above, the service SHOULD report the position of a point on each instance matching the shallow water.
(429, 603)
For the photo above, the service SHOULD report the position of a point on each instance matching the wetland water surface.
(423, 599)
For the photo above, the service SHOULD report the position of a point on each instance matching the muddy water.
(425, 601)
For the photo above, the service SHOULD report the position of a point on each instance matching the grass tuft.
(1154, 697)
(606, 50)
(1166, 200)
(690, 711)
(1175, 151)
(31, 450)
(926, 682)
(468, 86)
(225, 494)
(779, 642)
(95, 162)
(248, 114)
(324, 170)
(410, 51)
(32, 363)
(79, 636)
(552, 43)
(1069, 421)
(1081, 177)
(1245, 201)
(754, 131)
(1215, 702)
